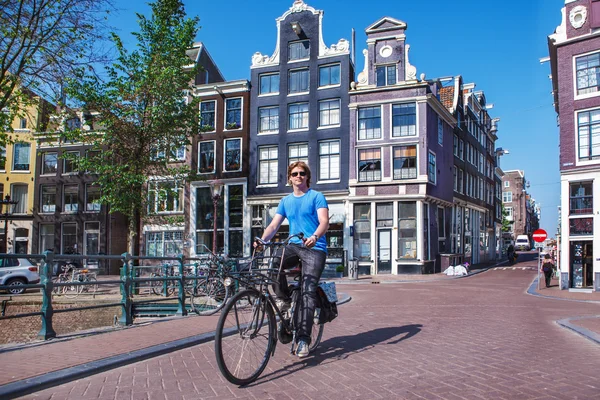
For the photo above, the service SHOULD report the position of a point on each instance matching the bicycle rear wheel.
(210, 296)
(316, 336)
(245, 337)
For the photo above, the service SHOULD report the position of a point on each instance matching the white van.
(522, 243)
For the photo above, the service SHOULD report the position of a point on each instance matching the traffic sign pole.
(539, 235)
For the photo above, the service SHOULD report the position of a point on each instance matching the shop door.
(582, 264)
(384, 251)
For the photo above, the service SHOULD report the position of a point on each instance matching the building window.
(164, 244)
(298, 81)
(233, 154)
(362, 231)
(2, 158)
(509, 213)
(297, 152)
(329, 75)
(91, 241)
(431, 168)
(329, 160)
(269, 84)
(268, 119)
(588, 128)
(207, 116)
(164, 197)
(369, 123)
(455, 145)
(205, 220)
(92, 198)
(48, 198)
(507, 197)
(581, 226)
(70, 198)
(23, 124)
(298, 116)
(46, 237)
(49, 163)
(206, 157)
(407, 230)
(19, 193)
(70, 162)
(233, 113)
(506, 184)
(405, 162)
(440, 132)
(236, 220)
(267, 165)
(460, 181)
(369, 165)
(455, 174)
(581, 199)
(298, 50)
(386, 75)
(461, 149)
(329, 112)
(588, 72)
(441, 223)
(69, 238)
(21, 155)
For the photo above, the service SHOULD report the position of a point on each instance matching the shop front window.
(407, 230)
(362, 232)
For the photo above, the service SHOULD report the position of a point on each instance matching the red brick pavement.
(477, 338)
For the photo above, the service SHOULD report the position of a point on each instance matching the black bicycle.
(247, 331)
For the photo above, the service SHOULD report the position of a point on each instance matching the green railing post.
(126, 317)
(47, 331)
(165, 282)
(181, 310)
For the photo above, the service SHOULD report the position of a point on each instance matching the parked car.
(16, 272)
(522, 243)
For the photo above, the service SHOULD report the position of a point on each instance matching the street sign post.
(539, 235)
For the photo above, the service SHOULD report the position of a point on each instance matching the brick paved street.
(481, 337)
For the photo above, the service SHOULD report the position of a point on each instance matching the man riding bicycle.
(306, 211)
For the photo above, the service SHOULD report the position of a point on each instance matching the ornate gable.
(386, 24)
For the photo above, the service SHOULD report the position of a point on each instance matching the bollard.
(47, 332)
(353, 269)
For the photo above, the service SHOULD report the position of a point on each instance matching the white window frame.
(269, 118)
(214, 152)
(214, 112)
(328, 67)
(431, 179)
(329, 158)
(301, 149)
(157, 196)
(329, 113)
(225, 154)
(272, 160)
(241, 111)
(270, 74)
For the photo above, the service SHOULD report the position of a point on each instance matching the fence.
(131, 280)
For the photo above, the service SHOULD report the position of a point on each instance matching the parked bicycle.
(247, 332)
(70, 281)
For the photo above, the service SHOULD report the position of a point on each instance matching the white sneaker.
(302, 350)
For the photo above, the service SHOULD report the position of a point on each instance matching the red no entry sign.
(539, 235)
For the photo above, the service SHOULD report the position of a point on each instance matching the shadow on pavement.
(341, 347)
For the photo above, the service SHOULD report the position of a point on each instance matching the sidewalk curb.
(586, 333)
(27, 386)
(565, 323)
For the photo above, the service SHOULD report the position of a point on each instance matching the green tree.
(42, 42)
(506, 224)
(141, 112)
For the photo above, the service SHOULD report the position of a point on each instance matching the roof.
(447, 97)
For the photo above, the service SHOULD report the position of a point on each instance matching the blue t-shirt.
(301, 213)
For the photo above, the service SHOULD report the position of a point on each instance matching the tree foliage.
(42, 42)
(506, 224)
(140, 111)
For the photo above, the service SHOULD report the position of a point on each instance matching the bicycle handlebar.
(271, 243)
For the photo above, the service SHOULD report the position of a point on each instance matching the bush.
(339, 268)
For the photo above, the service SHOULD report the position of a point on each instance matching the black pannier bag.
(326, 310)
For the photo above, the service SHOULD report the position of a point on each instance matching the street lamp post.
(216, 186)
(6, 206)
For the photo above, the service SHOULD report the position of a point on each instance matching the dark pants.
(548, 276)
(313, 263)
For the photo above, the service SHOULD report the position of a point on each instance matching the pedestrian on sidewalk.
(548, 269)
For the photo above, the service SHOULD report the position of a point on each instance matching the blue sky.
(495, 44)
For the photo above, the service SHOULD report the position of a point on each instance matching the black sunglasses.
(301, 173)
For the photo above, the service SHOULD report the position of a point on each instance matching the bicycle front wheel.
(245, 337)
(210, 296)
